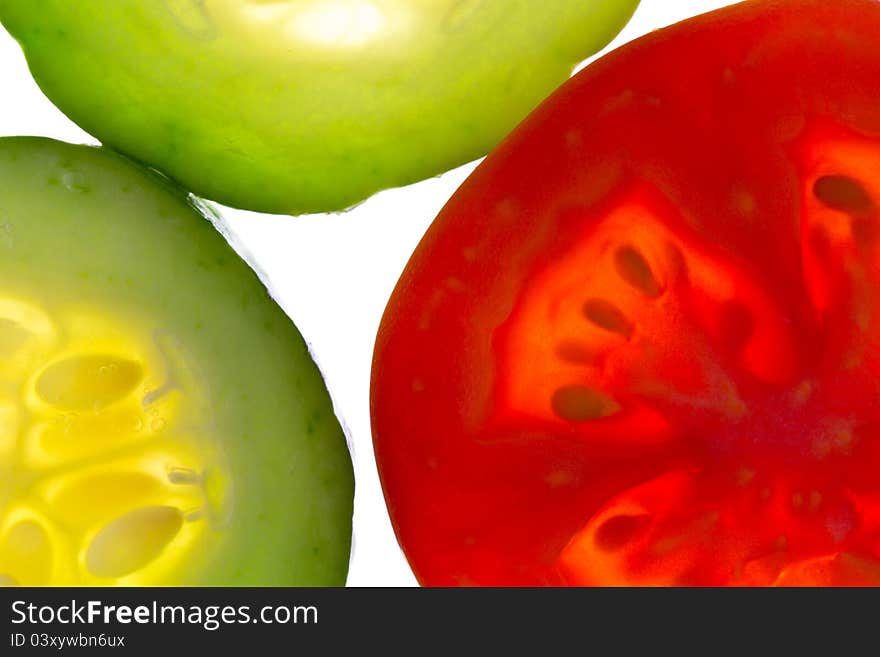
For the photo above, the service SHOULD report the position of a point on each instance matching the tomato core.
(769, 473)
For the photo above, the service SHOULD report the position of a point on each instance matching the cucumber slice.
(161, 420)
(294, 106)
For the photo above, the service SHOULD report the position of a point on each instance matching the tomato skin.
(717, 136)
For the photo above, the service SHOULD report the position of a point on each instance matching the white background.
(331, 273)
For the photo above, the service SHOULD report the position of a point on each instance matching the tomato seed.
(842, 193)
(575, 352)
(634, 269)
(582, 404)
(607, 316)
(616, 532)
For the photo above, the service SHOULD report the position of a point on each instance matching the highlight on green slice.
(295, 106)
(161, 420)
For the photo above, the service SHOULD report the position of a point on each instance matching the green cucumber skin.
(86, 225)
(263, 126)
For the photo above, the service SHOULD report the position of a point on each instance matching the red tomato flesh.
(641, 344)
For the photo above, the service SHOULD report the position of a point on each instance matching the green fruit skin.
(267, 122)
(83, 224)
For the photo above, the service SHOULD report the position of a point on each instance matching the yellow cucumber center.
(108, 475)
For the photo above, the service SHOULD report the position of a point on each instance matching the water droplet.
(69, 420)
(74, 181)
(7, 238)
(192, 17)
(185, 476)
(459, 12)
(194, 515)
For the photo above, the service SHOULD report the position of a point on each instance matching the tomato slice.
(641, 345)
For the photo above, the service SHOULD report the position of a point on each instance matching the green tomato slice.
(161, 420)
(295, 106)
